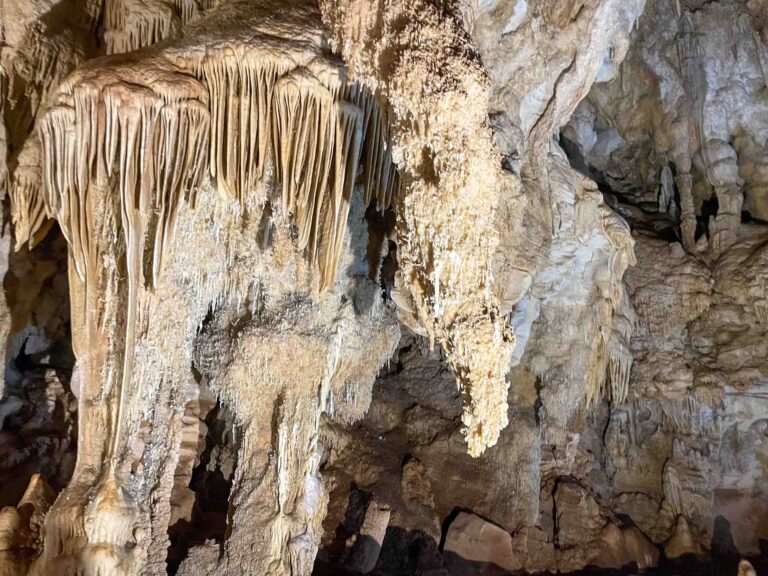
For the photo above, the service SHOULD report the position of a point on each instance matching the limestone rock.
(681, 542)
(472, 539)
(287, 285)
(366, 545)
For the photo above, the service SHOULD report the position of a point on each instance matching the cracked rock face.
(397, 287)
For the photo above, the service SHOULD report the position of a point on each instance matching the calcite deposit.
(383, 287)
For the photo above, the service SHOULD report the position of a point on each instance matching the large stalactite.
(424, 66)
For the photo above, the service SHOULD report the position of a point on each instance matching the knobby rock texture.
(383, 287)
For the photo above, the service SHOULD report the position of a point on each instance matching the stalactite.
(315, 134)
(133, 24)
(620, 357)
(686, 415)
(453, 186)
(155, 144)
(620, 365)
(27, 205)
(695, 82)
(381, 180)
(317, 145)
(304, 133)
(240, 101)
(599, 360)
(36, 63)
(189, 10)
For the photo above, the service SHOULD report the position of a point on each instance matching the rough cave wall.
(638, 401)
(684, 170)
(242, 198)
(210, 176)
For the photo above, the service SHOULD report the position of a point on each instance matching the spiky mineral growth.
(422, 63)
(133, 24)
(153, 137)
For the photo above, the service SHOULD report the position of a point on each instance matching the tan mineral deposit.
(385, 287)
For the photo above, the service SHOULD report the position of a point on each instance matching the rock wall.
(382, 287)
(636, 388)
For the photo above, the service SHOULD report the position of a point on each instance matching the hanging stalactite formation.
(150, 144)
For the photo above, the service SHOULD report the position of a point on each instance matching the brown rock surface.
(383, 287)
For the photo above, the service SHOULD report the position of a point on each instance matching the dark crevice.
(211, 483)
(576, 159)
(266, 227)
(555, 522)
(333, 554)
(747, 218)
(388, 270)
(399, 366)
(38, 411)
(643, 216)
(381, 226)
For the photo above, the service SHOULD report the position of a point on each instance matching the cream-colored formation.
(294, 112)
(248, 203)
(451, 172)
(248, 101)
(126, 145)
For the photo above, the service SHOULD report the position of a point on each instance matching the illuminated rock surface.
(399, 287)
